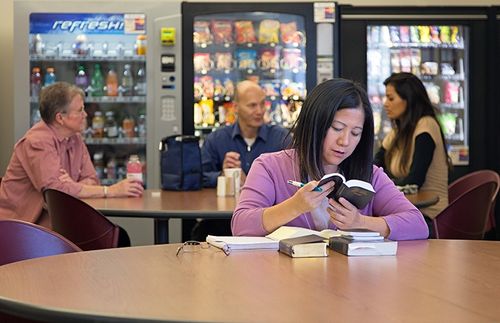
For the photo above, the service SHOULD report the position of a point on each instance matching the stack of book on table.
(362, 242)
(301, 242)
(293, 241)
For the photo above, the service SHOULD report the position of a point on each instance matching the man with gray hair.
(52, 154)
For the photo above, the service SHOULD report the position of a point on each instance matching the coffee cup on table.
(234, 175)
(222, 186)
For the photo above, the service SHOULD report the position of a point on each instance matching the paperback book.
(242, 243)
(358, 192)
(359, 233)
(286, 232)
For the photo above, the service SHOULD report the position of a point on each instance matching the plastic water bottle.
(140, 84)
(50, 77)
(37, 45)
(141, 126)
(127, 81)
(134, 168)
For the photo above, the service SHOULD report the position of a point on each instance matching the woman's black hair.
(316, 117)
(418, 105)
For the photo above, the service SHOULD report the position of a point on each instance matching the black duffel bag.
(180, 163)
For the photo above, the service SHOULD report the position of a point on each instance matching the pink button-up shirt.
(35, 165)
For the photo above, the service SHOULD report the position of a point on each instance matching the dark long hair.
(316, 118)
(418, 105)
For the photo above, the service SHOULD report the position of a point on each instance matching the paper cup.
(235, 175)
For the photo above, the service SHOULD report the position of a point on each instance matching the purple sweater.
(266, 185)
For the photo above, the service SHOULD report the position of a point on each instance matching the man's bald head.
(243, 87)
(250, 106)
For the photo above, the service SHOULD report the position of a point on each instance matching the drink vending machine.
(125, 56)
(441, 46)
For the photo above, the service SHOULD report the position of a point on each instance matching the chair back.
(466, 217)
(20, 240)
(464, 183)
(79, 222)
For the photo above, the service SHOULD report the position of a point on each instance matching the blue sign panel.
(85, 23)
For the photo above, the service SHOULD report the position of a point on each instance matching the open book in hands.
(358, 192)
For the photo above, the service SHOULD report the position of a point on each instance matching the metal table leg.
(161, 231)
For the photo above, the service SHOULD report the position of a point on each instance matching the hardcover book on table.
(350, 247)
(305, 246)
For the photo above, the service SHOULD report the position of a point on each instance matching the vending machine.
(125, 56)
(281, 46)
(444, 47)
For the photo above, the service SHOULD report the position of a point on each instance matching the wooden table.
(423, 199)
(165, 205)
(428, 281)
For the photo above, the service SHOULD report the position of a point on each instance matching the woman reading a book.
(333, 134)
(414, 152)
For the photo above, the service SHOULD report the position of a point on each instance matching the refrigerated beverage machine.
(126, 57)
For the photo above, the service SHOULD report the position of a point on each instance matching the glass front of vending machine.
(104, 55)
(437, 54)
(273, 45)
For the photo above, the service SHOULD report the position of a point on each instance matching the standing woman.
(414, 152)
(333, 133)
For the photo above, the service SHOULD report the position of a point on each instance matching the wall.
(6, 84)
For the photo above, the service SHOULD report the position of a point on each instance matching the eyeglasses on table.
(195, 246)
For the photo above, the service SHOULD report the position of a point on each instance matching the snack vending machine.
(442, 46)
(125, 56)
(273, 44)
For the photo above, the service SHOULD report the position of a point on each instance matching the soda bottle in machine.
(81, 79)
(110, 126)
(97, 82)
(50, 76)
(98, 125)
(128, 126)
(111, 169)
(140, 45)
(112, 83)
(99, 164)
(36, 82)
